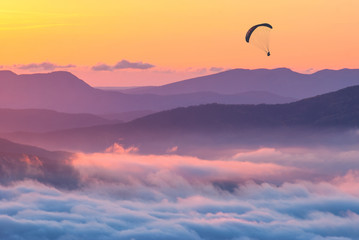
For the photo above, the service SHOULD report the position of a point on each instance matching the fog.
(267, 193)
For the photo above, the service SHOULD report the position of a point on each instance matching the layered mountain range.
(313, 120)
(241, 108)
(280, 81)
(64, 92)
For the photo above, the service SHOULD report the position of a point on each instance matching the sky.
(143, 42)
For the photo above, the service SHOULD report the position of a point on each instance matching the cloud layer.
(254, 211)
(262, 194)
(47, 66)
(123, 64)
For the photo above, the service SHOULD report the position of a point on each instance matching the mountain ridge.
(19, 162)
(332, 113)
(280, 81)
(341, 105)
(43, 120)
(63, 92)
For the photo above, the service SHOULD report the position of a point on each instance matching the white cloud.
(255, 211)
(260, 194)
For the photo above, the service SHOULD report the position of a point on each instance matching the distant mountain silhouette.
(336, 109)
(281, 81)
(126, 116)
(217, 124)
(39, 120)
(64, 92)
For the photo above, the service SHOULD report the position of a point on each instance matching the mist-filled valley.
(267, 193)
(172, 162)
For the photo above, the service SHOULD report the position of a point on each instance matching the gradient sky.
(180, 38)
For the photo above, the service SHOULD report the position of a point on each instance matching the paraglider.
(258, 35)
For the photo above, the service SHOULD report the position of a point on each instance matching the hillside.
(336, 109)
(39, 120)
(64, 92)
(281, 81)
(20, 162)
(324, 117)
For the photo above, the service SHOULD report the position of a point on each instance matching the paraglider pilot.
(261, 37)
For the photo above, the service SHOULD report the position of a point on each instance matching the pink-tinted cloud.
(259, 194)
(147, 168)
(348, 183)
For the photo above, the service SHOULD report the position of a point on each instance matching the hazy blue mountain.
(39, 120)
(126, 116)
(310, 121)
(336, 109)
(281, 81)
(64, 92)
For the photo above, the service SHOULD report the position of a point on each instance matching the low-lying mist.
(266, 193)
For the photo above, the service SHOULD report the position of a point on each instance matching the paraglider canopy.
(258, 35)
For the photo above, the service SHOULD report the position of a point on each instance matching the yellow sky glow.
(180, 34)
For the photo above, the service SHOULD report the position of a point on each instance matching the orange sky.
(180, 38)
